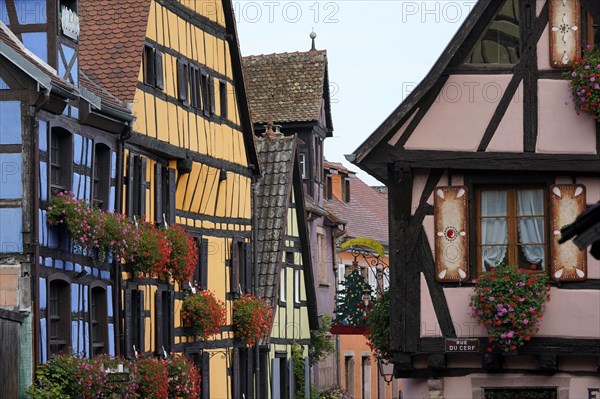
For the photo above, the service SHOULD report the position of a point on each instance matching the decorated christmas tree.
(353, 301)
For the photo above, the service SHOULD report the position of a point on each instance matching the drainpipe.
(43, 99)
(117, 308)
(255, 187)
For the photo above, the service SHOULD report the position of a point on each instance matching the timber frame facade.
(438, 148)
(190, 160)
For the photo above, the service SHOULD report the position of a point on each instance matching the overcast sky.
(377, 51)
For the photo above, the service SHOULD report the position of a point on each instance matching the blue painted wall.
(11, 186)
(11, 239)
(10, 128)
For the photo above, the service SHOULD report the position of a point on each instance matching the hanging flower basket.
(120, 236)
(509, 303)
(252, 318)
(205, 313)
(153, 252)
(378, 322)
(82, 221)
(184, 254)
(584, 77)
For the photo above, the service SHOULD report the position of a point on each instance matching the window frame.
(223, 105)
(512, 223)
(62, 153)
(62, 317)
(101, 175)
(98, 320)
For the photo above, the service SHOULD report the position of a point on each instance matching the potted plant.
(184, 378)
(509, 302)
(151, 376)
(204, 312)
(82, 221)
(153, 251)
(252, 318)
(584, 77)
(184, 254)
(119, 236)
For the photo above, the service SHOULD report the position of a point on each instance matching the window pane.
(531, 230)
(494, 231)
(530, 202)
(493, 203)
(532, 257)
(492, 256)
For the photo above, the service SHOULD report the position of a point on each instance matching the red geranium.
(252, 318)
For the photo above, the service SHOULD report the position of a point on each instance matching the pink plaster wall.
(429, 322)
(543, 50)
(580, 385)
(452, 114)
(560, 129)
(572, 313)
(400, 131)
(458, 303)
(509, 135)
(419, 181)
(592, 189)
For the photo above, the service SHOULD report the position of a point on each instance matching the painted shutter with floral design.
(451, 234)
(568, 262)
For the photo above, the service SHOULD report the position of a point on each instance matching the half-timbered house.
(59, 131)
(485, 161)
(292, 91)
(285, 275)
(190, 160)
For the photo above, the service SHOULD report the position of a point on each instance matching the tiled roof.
(7, 37)
(103, 94)
(366, 213)
(337, 166)
(286, 87)
(111, 41)
(276, 156)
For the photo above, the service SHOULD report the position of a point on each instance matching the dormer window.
(328, 187)
(346, 190)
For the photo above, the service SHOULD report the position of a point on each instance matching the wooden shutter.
(211, 93)
(451, 234)
(142, 186)
(248, 267)
(158, 69)
(564, 45)
(205, 391)
(142, 319)
(130, 184)
(568, 262)
(158, 194)
(172, 189)
(235, 386)
(171, 316)
(128, 323)
(203, 264)
(158, 323)
(235, 266)
(182, 80)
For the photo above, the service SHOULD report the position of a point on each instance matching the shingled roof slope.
(286, 87)
(366, 213)
(277, 157)
(111, 40)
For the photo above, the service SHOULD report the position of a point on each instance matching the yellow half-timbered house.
(190, 160)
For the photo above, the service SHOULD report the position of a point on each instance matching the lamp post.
(386, 370)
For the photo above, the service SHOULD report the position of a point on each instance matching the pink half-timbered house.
(485, 161)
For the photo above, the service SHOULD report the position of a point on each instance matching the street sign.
(462, 345)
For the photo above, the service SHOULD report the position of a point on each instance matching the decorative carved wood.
(451, 234)
(565, 31)
(569, 263)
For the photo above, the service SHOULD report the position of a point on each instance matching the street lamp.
(386, 370)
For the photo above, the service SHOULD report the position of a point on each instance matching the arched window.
(59, 315)
(98, 320)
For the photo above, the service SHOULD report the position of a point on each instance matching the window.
(511, 227)
(59, 316)
(101, 176)
(349, 374)
(164, 320)
(500, 43)
(297, 287)
(328, 187)
(208, 95)
(223, 98)
(136, 185)
(183, 70)
(195, 88)
(346, 190)
(302, 161)
(201, 273)
(152, 64)
(246, 375)
(366, 376)
(322, 271)
(61, 159)
(98, 321)
(282, 285)
(134, 322)
(241, 276)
